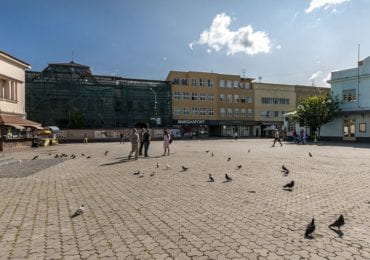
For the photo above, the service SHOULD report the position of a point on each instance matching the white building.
(352, 87)
(12, 96)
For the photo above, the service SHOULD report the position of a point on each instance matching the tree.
(315, 111)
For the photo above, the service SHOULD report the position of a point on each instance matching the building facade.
(352, 88)
(12, 97)
(68, 95)
(211, 104)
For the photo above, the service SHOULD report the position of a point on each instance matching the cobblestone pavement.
(180, 215)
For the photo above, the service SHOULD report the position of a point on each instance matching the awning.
(15, 126)
(18, 121)
(270, 128)
(53, 128)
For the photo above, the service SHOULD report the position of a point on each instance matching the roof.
(69, 64)
(15, 121)
(16, 59)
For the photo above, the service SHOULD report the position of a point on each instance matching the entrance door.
(349, 129)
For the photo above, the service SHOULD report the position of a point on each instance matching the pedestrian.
(141, 141)
(146, 141)
(277, 138)
(166, 143)
(135, 139)
(121, 138)
(236, 136)
(85, 138)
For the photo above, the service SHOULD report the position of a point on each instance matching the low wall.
(15, 144)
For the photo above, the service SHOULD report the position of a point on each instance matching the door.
(349, 129)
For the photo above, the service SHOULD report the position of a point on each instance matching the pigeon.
(211, 179)
(212, 154)
(309, 154)
(82, 154)
(289, 185)
(73, 156)
(152, 174)
(34, 158)
(249, 150)
(106, 153)
(88, 157)
(228, 159)
(56, 156)
(137, 173)
(239, 167)
(207, 151)
(79, 211)
(286, 173)
(184, 168)
(310, 229)
(141, 175)
(168, 166)
(228, 178)
(157, 165)
(338, 223)
(49, 154)
(284, 168)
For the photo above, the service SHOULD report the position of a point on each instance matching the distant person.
(141, 141)
(135, 139)
(166, 143)
(236, 136)
(121, 138)
(277, 138)
(146, 141)
(85, 139)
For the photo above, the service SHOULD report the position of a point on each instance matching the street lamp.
(155, 106)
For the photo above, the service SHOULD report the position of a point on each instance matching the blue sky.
(287, 41)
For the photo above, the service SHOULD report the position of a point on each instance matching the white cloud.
(326, 4)
(244, 40)
(278, 47)
(315, 76)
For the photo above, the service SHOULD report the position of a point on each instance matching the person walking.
(121, 138)
(236, 136)
(166, 143)
(277, 138)
(141, 141)
(85, 139)
(146, 141)
(134, 138)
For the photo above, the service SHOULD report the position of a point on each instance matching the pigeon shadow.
(209, 181)
(337, 231)
(226, 181)
(287, 189)
(310, 237)
(75, 215)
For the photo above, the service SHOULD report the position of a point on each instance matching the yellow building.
(274, 100)
(211, 103)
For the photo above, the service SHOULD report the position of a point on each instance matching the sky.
(286, 41)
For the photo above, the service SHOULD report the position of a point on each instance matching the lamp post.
(155, 106)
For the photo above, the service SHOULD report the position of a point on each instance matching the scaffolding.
(70, 96)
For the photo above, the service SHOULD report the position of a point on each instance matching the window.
(202, 83)
(202, 96)
(229, 84)
(250, 111)
(243, 112)
(242, 99)
(211, 111)
(176, 81)
(349, 95)
(210, 83)
(229, 112)
(184, 82)
(250, 100)
(202, 111)
(362, 127)
(275, 101)
(193, 82)
(247, 85)
(210, 97)
(185, 111)
(230, 98)
(222, 112)
(236, 98)
(236, 84)
(185, 96)
(276, 113)
(8, 89)
(241, 85)
(222, 83)
(177, 111)
(236, 112)
(177, 95)
(194, 111)
(194, 96)
(222, 97)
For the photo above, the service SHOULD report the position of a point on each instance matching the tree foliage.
(315, 111)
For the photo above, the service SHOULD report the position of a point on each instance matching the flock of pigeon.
(289, 187)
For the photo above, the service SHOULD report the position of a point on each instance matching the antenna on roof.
(72, 57)
(259, 78)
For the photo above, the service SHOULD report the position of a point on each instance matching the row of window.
(8, 89)
(276, 101)
(195, 111)
(349, 95)
(236, 112)
(272, 113)
(209, 83)
(210, 97)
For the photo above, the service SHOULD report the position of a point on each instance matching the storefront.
(192, 128)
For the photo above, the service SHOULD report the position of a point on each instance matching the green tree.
(315, 111)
